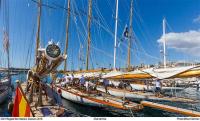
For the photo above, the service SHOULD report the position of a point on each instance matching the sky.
(182, 32)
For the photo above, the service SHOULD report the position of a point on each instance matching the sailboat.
(5, 82)
(159, 73)
(94, 97)
(133, 77)
(34, 96)
(98, 97)
(142, 95)
(139, 74)
(141, 91)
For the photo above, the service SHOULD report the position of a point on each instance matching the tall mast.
(67, 33)
(89, 39)
(164, 43)
(130, 36)
(6, 35)
(8, 59)
(38, 31)
(115, 46)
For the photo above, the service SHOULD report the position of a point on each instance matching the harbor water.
(82, 110)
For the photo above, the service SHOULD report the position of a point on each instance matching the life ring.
(59, 91)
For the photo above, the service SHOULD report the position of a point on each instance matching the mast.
(6, 36)
(164, 43)
(89, 27)
(130, 36)
(36, 57)
(8, 59)
(67, 33)
(115, 46)
(38, 31)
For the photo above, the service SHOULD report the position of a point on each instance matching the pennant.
(21, 107)
(125, 36)
(126, 32)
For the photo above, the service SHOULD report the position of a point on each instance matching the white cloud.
(197, 19)
(187, 42)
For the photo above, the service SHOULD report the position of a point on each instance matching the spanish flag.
(21, 107)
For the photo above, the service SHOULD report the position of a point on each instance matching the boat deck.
(102, 98)
(48, 108)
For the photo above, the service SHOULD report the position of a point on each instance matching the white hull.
(141, 95)
(78, 99)
(122, 94)
(97, 100)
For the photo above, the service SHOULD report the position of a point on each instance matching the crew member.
(158, 87)
(72, 79)
(82, 82)
(106, 84)
(87, 85)
(65, 81)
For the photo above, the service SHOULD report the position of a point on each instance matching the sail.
(167, 72)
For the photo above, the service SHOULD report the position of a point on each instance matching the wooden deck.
(47, 101)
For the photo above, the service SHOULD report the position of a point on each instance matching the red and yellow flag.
(21, 107)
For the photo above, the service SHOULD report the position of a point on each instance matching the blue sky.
(182, 17)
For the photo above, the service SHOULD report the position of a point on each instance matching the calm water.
(83, 110)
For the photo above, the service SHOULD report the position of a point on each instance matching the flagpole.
(115, 46)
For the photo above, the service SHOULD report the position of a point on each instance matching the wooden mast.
(38, 31)
(6, 36)
(89, 27)
(36, 58)
(130, 36)
(67, 33)
(8, 59)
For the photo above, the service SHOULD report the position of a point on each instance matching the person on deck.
(106, 84)
(158, 87)
(72, 79)
(65, 81)
(82, 82)
(87, 85)
(121, 85)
